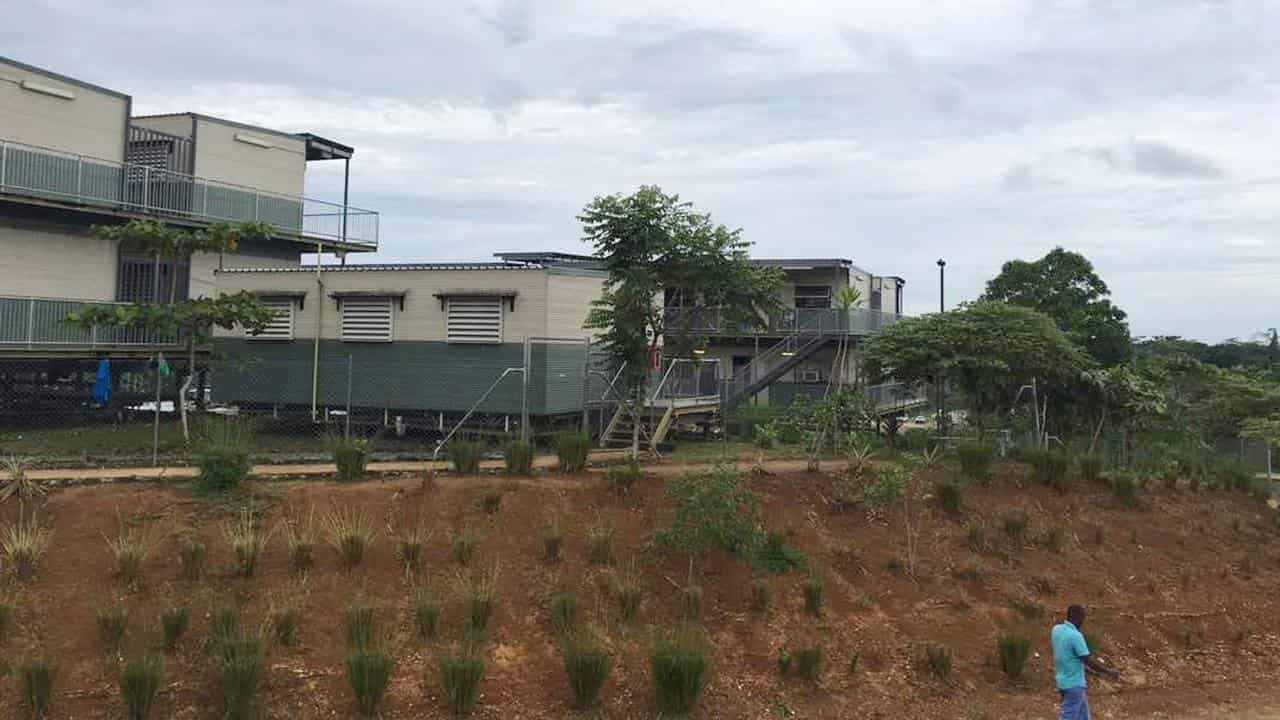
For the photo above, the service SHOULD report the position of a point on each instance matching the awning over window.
(297, 296)
(508, 295)
(394, 294)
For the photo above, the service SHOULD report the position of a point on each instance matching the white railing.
(46, 173)
(33, 322)
(802, 321)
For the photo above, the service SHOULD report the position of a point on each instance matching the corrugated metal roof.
(388, 267)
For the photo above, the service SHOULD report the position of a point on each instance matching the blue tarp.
(102, 383)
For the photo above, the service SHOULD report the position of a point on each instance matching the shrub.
(1015, 526)
(480, 594)
(491, 501)
(1012, 652)
(936, 659)
(628, 588)
(460, 672)
(130, 548)
(246, 542)
(35, 676)
(691, 603)
(360, 625)
(950, 495)
(812, 589)
(465, 456)
(191, 555)
(1051, 468)
(224, 622)
(976, 459)
(975, 536)
(23, 544)
(784, 662)
(409, 544)
(1090, 467)
(1233, 475)
(350, 533)
(713, 510)
(761, 595)
(587, 664)
(563, 609)
(19, 484)
(1054, 539)
(1028, 608)
(621, 478)
(853, 661)
(139, 680)
(1125, 490)
(112, 622)
(462, 545)
(775, 555)
(351, 456)
(552, 540)
(572, 449)
(679, 665)
(746, 420)
(888, 488)
(808, 662)
(173, 625)
(600, 544)
(369, 673)
(517, 458)
(859, 456)
(240, 663)
(221, 453)
(426, 613)
(285, 621)
(916, 440)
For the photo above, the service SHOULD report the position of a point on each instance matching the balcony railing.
(795, 321)
(36, 323)
(51, 174)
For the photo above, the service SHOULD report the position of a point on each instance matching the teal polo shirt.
(1069, 652)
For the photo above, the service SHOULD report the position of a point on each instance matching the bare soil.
(1183, 597)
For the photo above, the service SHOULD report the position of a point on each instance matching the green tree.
(986, 350)
(1064, 286)
(193, 319)
(651, 242)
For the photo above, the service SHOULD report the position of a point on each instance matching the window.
(138, 280)
(474, 320)
(366, 319)
(810, 375)
(281, 326)
(813, 296)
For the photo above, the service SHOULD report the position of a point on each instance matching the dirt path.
(545, 462)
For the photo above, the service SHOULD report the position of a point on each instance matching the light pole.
(942, 307)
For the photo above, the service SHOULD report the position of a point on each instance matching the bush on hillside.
(976, 459)
(572, 449)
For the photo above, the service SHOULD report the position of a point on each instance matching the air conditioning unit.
(810, 376)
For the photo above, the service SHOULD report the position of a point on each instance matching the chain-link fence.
(126, 410)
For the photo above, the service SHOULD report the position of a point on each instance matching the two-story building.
(73, 155)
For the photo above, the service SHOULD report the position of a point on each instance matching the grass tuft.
(976, 459)
(480, 596)
(23, 545)
(460, 671)
(621, 478)
(139, 680)
(462, 545)
(360, 625)
(8, 612)
(351, 456)
(491, 502)
(130, 548)
(240, 663)
(1015, 526)
(552, 541)
(191, 556)
(246, 541)
(975, 536)
(224, 622)
(286, 619)
(351, 533)
(628, 590)
(812, 589)
(572, 449)
(1012, 652)
(761, 595)
(112, 623)
(35, 676)
(601, 540)
(517, 458)
(950, 496)
(1090, 466)
(426, 613)
(679, 666)
(937, 661)
(174, 621)
(587, 664)
(1124, 488)
(691, 603)
(409, 546)
(221, 452)
(808, 662)
(465, 456)
(369, 673)
(562, 607)
(300, 537)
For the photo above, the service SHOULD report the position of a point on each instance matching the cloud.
(889, 133)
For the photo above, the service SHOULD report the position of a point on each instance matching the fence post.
(31, 321)
(4, 161)
(348, 415)
(155, 424)
(79, 175)
(524, 394)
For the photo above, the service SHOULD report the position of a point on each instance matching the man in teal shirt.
(1070, 658)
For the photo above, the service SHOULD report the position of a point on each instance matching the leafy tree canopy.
(1064, 286)
(988, 350)
(650, 242)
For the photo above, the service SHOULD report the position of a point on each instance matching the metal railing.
(32, 322)
(684, 378)
(46, 173)
(804, 321)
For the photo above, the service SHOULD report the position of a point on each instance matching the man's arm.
(1098, 668)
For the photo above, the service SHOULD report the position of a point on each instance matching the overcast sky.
(1144, 134)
